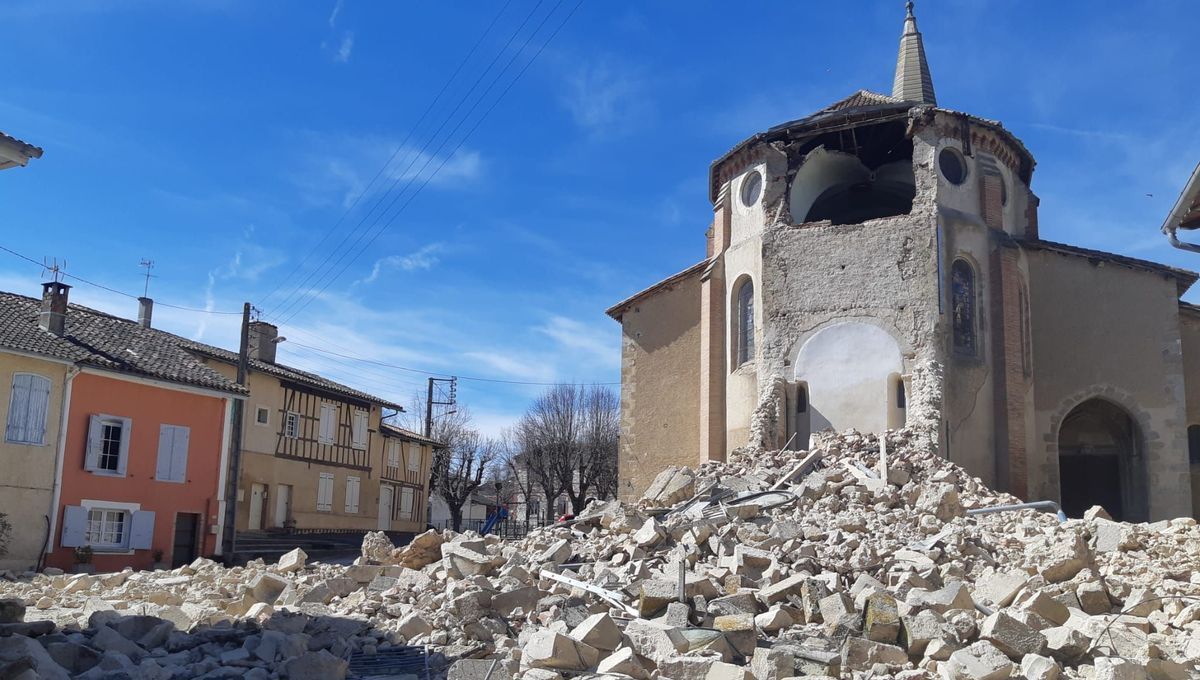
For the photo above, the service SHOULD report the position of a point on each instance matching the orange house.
(140, 458)
(142, 472)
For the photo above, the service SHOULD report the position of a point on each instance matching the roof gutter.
(1191, 192)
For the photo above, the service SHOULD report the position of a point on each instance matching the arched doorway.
(1100, 461)
(847, 370)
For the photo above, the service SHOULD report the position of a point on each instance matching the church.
(877, 265)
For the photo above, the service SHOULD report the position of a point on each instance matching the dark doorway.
(187, 535)
(1099, 462)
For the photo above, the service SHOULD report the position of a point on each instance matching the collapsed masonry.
(825, 563)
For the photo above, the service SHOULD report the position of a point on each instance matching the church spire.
(913, 82)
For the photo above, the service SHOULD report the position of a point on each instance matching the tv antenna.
(52, 267)
(148, 264)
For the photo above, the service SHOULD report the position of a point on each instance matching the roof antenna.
(148, 264)
(54, 268)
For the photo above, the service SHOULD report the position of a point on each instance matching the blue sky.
(226, 140)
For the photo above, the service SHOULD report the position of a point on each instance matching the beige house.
(879, 264)
(316, 454)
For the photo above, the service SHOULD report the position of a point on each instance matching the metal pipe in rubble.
(1035, 505)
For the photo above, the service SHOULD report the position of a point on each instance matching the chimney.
(145, 311)
(264, 338)
(53, 316)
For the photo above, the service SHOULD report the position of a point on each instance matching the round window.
(953, 165)
(752, 188)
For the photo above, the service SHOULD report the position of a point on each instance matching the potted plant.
(83, 560)
(158, 560)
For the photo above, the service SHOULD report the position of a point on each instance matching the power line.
(114, 290)
(296, 294)
(391, 158)
(447, 375)
(305, 301)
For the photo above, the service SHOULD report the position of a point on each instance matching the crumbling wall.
(660, 385)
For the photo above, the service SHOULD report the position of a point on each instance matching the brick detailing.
(991, 207)
(1031, 216)
(1008, 375)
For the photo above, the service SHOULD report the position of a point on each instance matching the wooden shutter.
(141, 530)
(414, 458)
(18, 408)
(166, 442)
(328, 424)
(406, 502)
(179, 453)
(325, 492)
(74, 531)
(39, 404)
(91, 458)
(126, 433)
(352, 486)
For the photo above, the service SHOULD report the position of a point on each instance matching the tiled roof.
(288, 373)
(93, 338)
(1185, 214)
(389, 429)
(22, 147)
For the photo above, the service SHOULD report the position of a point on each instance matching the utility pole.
(235, 444)
(429, 402)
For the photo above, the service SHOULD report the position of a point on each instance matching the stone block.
(917, 631)
(1093, 598)
(1047, 607)
(779, 592)
(12, 610)
(980, 661)
(625, 662)
(267, 587)
(1000, 588)
(599, 631)
(773, 620)
(860, 654)
(654, 595)
(1065, 644)
(524, 598)
(548, 649)
(881, 619)
(1037, 667)
(291, 561)
(1011, 636)
(954, 595)
(558, 552)
(319, 665)
(1119, 669)
(655, 641)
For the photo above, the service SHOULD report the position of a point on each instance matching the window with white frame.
(393, 453)
(414, 457)
(107, 529)
(291, 425)
(406, 503)
(325, 492)
(353, 484)
(28, 405)
(107, 444)
(328, 424)
(358, 432)
(262, 415)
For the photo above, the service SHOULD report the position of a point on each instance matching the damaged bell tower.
(868, 267)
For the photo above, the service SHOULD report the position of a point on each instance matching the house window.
(535, 508)
(353, 484)
(325, 492)
(107, 444)
(1193, 435)
(414, 458)
(262, 415)
(172, 453)
(963, 308)
(328, 423)
(291, 425)
(358, 433)
(744, 323)
(27, 408)
(107, 529)
(393, 453)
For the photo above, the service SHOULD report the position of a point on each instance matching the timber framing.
(307, 445)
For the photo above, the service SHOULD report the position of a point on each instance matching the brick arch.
(1146, 444)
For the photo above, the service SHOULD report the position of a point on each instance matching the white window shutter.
(179, 453)
(352, 485)
(91, 459)
(39, 404)
(126, 433)
(166, 440)
(141, 530)
(18, 408)
(74, 533)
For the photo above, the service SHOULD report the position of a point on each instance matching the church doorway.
(1100, 462)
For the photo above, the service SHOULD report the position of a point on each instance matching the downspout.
(60, 456)
(225, 430)
(1182, 245)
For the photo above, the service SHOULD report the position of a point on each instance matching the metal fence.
(509, 528)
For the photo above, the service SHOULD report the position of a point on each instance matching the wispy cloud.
(425, 257)
(341, 167)
(333, 15)
(347, 45)
(594, 346)
(605, 99)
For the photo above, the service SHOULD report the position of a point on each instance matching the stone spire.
(913, 82)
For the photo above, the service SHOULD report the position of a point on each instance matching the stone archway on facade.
(847, 370)
(1101, 460)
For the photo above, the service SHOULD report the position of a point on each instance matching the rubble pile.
(840, 561)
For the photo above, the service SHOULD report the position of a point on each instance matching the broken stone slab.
(1046, 607)
(1065, 644)
(466, 561)
(941, 501)
(881, 618)
(12, 610)
(1011, 636)
(998, 589)
(18, 649)
(654, 595)
(671, 486)
(267, 587)
(979, 661)
(292, 561)
(548, 649)
(599, 631)
(649, 535)
(860, 654)
(953, 595)
(1093, 598)
(1119, 669)
(1037, 667)
(773, 620)
(524, 598)
(558, 552)
(108, 640)
(654, 640)
(623, 662)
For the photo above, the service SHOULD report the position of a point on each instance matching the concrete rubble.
(772, 565)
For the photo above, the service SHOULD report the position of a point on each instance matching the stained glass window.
(745, 322)
(962, 298)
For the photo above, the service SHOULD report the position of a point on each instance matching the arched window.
(743, 340)
(963, 308)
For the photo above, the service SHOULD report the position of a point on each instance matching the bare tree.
(569, 435)
(461, 459)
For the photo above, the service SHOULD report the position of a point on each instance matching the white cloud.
(426, 257)
(603, 99)
(344, 49)
(590, 345)
(337, 9)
